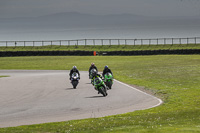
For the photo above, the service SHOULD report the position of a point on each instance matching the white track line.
(160, 101)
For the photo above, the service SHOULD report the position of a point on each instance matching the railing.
(158, 41)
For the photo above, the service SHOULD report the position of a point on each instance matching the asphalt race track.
(41, 96)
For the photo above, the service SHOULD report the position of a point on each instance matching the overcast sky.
(32, 8)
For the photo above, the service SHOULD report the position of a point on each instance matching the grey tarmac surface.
(40, 96)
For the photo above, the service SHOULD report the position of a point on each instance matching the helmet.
(94, 72)
(106, 67)
(74, 68)
(92, 64)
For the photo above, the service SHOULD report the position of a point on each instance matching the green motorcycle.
(108, 79)
(100, 86)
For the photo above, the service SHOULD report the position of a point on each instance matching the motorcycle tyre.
(74, 83)
(102, 90)
(109, 84)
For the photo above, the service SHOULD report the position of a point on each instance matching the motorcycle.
(100, 86)
(108, 79)
(75, 79)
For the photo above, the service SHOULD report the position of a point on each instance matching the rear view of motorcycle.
(75, 79)
(108, 79)
(100, 86)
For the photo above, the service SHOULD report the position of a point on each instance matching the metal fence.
(157, 41)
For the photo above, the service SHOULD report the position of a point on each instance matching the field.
(100, 47)
(173, 78)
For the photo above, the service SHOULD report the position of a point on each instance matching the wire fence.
(157, 41)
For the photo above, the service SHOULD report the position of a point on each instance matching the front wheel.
(109, 84)
(74, 83)
(103, 91)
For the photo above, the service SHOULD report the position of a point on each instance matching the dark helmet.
(92, 64)
(106, 67)
(74, 68)
(94, 72)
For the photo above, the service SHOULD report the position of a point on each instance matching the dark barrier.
(90, 53)
(152, 52)
(45, 53)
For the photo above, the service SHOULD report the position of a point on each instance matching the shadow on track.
(70, 89)
(95, 97)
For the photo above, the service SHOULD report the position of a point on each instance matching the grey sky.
(31, 8)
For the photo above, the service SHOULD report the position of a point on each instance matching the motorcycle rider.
(95, 75)
(106, 70)
(74, 69)
(92, 66)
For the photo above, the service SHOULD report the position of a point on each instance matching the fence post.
(134, 41)
(85, 42)
(118, 42)
(24, 44)
(15, 44)
(125, 42)
(187, 41)
(6, 44)
(141, 42)
(195, 40)
(110, 41)
(172, 41)
(102, 42)
(60, 43)
(180, 41)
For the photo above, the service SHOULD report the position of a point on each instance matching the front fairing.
(108, 77)
(75, 76)
(98, 82)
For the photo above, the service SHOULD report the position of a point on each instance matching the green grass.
(3, 76)
(101, 48)
(174, 78)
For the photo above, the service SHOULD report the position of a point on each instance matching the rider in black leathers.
(95, 74)
(92, 66)
(74, 69)
(106, 69)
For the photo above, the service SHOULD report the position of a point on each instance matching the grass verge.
(174, 78)
(100, 47)
(3, 76)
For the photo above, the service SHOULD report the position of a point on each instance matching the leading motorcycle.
(75, 79)
(100, 86)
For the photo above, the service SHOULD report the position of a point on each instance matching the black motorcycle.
(75, 79)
